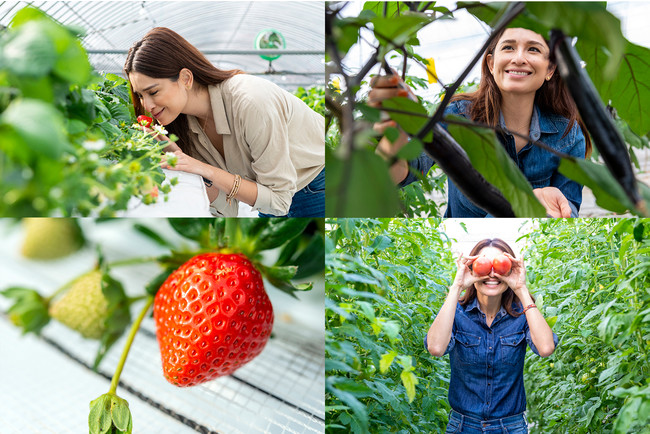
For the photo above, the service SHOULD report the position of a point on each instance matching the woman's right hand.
(386, 87)
(171, 146)
(465, 278)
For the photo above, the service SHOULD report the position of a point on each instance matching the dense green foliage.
(593, 276)
(386, 280)
(69, 146)
(617, 68)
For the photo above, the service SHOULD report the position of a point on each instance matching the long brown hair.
(162, 53)
(508, 298)
(552, 97)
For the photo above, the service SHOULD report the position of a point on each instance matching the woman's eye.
(507, 47)
(535, 49)
(153, 93)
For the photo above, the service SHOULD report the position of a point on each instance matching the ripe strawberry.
(212, 316)
(51, 238)
(83, 307)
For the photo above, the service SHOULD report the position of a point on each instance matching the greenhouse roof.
(225, 31)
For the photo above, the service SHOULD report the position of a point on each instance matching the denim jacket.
(487, 362)
(539, 166)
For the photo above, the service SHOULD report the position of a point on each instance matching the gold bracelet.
(234, 190)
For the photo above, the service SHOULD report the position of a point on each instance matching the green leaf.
(609, 193)
(289, 287)
(152, 235)
(29, 52)
(359, 186)
(279, 231)
(491, 159)
(411, 150)
(29, 311)
(40, 125)
(279, 273)
(629, 90)
(196, 229)
(409, 381)
(311, 260)
(413, 120)
(638, 232)
(397, 30)
(386, 360)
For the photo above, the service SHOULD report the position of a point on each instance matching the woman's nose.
(520, 57)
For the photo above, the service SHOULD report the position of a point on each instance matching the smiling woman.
(486, 332)
(520, 92)
(250, 140)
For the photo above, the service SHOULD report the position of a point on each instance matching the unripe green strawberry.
(51, 238)
(83, 307)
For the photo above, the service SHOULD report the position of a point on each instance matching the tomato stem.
(127, 346)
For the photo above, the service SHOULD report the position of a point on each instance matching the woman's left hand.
(184, 163)
(516, 278)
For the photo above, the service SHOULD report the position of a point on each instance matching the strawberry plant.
(70, 145)
(392, 28)
(210, 306)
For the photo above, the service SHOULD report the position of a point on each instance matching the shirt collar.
(218, 112)
(539, 124)
(474, 306)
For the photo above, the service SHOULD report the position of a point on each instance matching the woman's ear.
(187, 78)
(551, 71)
(490, 63)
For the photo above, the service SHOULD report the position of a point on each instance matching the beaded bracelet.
(530, 306)
(235, 189)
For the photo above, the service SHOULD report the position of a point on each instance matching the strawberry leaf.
(30, 311)
(279, 231)
(153, 286)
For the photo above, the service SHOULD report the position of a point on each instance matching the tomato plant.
(386, 279)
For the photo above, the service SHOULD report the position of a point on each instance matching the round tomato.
(501, 264)
(482, 266)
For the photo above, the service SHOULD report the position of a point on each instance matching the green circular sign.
(270, 39)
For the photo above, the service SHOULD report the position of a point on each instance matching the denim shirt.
(539, 166)
(487, 362)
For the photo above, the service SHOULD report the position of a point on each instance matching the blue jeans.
(308, 202)
(459, 423)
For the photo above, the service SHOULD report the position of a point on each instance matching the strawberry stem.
(132, 261)
(127, 346)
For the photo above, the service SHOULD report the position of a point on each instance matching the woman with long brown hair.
(486, 332)
(520, 92)
(250, 140)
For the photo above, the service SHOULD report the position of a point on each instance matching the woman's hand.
(465, 277)
(554, 201)
(516, 278)
(185, 163)
(170, 147)
(386, 87)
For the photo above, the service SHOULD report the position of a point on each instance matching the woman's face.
(520, 62)
(491, 286)
(163, 98)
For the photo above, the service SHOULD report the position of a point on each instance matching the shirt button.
(490, 347)
(489, 366)
(490, 331)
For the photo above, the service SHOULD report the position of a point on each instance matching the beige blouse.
(270, 137)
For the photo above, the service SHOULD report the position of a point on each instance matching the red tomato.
(501, 264)
(482, 266)
(145, 121)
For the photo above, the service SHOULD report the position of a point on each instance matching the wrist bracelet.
(234, 190)
(530, 306)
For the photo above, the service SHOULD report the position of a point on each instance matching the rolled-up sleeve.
(266, 132)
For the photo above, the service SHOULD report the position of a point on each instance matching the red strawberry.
(145, 121)
(212, 316)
